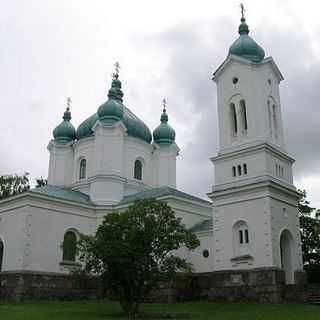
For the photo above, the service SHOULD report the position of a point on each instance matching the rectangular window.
(246, 235)
(239, 170)
(240, 237)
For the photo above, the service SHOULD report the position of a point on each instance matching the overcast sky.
(54, 49)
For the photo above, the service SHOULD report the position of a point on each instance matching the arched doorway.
(286, 247)
(1, 254)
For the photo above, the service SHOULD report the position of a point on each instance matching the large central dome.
(113, 110)
(135, 127)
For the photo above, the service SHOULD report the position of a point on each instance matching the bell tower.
(254, 200)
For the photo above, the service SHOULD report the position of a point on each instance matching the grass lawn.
(98, 310)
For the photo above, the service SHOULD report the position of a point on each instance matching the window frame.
(83, 169)
(138, 170)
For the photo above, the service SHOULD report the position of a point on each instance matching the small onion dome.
(85, 128)
(245, 46)
(164, 134)
(65, 131)
(112, 110)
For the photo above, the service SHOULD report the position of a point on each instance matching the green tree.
(310, 236)
(134, 250)
(11, 185)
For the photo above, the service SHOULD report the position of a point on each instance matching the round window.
(235, 80)
(205, 253)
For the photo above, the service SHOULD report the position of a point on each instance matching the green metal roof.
(245, 46)
(114, 110)
(161, 192)
(62, 193)
(65, 131)
(205, 225)
(164, 134)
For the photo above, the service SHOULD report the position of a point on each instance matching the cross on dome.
(68, 103)
(117, 68)
(164, 103)
(242, 10)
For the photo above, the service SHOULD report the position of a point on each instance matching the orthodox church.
(112, 159)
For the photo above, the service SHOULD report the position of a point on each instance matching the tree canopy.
(135, 249)
(13, 184)
(310, 234)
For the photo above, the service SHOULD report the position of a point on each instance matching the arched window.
(83, 169)
(243, 110)
(245, 171)
(69, 246)
(234, 171)
(241, 238)
(138, 170)
(1, 254)
(270, 120)
(234, 124)
(239, 170)
(275, 125)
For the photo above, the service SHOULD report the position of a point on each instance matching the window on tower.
(241, 238)
(274, 119)
(83, 169)
(234, 124)
(239, 170)
(244, 115)
(234, 171)
(245, 168)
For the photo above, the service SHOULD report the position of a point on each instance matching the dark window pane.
(69, 246)
(246, 233)
(234, 173)
(138, 170)
(83, 167)
(240, 237)
(1, 254)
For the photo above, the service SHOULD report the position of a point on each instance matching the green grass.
(98, 310)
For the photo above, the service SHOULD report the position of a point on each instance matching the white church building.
(250, 220)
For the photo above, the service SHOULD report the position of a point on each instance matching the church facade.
(112, 160)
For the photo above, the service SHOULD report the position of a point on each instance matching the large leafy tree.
(134, 250)
(310, 237)
(11, 185)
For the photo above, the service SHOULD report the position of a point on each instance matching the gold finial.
(117, 68)
(68, 103)
(242, 10)
(164, 103)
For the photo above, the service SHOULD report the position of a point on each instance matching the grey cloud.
(191, 60)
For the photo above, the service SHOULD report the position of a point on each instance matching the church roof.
(62, 193)
(205, 225)
(79, 197)
(161, 192)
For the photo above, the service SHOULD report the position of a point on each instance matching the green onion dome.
(164, 133)
(245, 46)
(65, 131)
(112, 111)
(85, 128)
